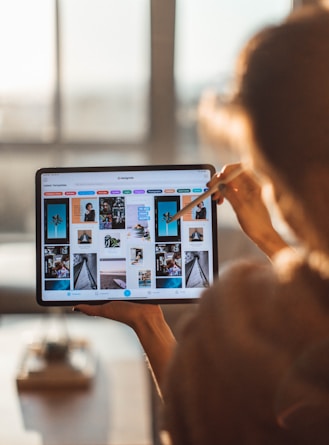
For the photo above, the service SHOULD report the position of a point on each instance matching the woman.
(251, 365)
(201, 211)
(89, 213)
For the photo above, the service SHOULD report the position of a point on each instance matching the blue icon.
(86, 192)
(127, 293)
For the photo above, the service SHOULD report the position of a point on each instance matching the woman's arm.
(148, 322)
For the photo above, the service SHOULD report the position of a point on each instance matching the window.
(209, 36)
(74, 70)
(27, 70)
(109, 82)
(105, 69)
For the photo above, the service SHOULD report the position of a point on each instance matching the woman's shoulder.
(291, 275)
(241, 279)
(269, 298)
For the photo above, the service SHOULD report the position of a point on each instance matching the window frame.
(160, 144)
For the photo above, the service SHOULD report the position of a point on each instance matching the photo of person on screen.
(57, 262)
(84, 237)
(62, 271)
(196, 234)
(89, 213)
(173, 269)
(201, 211)
(112, 213)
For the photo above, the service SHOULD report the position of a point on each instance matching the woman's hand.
(148, 322)
(245, 195)
(129, 313)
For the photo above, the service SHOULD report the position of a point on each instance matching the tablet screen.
(105, 234)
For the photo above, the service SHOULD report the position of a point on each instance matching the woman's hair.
(283, 85)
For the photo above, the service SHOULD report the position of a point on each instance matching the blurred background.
(102, 82)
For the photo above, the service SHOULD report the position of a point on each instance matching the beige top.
(252, 365)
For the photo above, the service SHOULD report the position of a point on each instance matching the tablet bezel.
(156, 168)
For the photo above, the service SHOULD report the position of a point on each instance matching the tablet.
(104, 233)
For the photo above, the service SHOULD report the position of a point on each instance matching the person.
(251, 364)
(90, 212)
(173, 268)
(201, 211)
(84, 238)
(196, 235)
(61, 270)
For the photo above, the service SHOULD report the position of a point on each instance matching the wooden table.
(114, 410)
